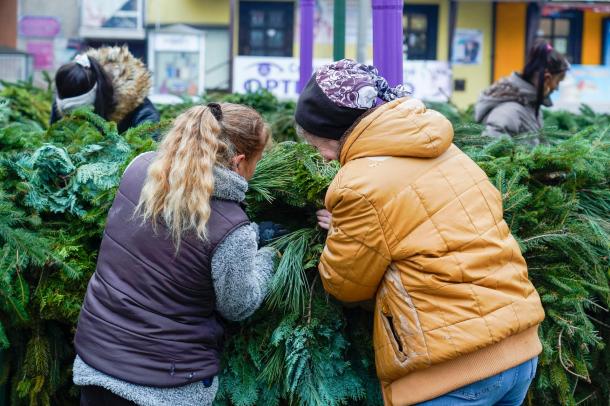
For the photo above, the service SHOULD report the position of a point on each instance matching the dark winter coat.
(149, 315)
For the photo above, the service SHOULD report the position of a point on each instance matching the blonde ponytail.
(180, 181)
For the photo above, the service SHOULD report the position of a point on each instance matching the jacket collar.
(228, 185)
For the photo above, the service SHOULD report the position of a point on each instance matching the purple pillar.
(387, 39)
(306, 56)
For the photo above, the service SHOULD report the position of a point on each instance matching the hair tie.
(216, 110)
(82, 60)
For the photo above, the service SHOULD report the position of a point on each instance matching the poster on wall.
(584, 84)
(43, 53)
(112, 19)
(323, 22)
(467, 47)
(39, 36)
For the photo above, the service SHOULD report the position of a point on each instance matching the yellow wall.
(592, 38)
(509, 55)
(203, 12)
(478, 16)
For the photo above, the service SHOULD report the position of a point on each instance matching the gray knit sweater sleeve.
(241, 273)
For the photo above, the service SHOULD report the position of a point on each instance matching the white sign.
(279, 75)
(177, 42)
(427, 80)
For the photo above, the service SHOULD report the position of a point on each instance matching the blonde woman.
(178, 253)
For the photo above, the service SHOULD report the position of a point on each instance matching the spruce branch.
(559, 347)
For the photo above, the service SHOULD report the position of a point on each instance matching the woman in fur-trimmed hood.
(111, 80)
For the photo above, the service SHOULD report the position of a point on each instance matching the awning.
(558, 6)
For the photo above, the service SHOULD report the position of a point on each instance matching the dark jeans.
(98, 396)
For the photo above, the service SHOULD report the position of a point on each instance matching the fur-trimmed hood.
(509, 89)
(130, 78)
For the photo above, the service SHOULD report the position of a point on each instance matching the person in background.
(512, 105)
(415, 224)
(112, 81)
(177, 255)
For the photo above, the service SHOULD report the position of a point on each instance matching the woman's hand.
(324, 218)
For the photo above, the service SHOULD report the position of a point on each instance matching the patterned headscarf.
(348, 83)
(338, 94)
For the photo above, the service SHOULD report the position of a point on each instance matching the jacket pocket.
(393, 333)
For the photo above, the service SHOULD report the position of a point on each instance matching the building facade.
(452, 49)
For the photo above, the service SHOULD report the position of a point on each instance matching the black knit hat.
(339, 93)
(318, 115)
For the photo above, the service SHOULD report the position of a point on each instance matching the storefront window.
(266, 28)
(420, 28)
(563, 31)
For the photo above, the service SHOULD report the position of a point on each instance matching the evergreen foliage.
(27, 103)
(302, 347)
(55, 191)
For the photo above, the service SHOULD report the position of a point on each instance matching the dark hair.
(73, 79)
(543, 58)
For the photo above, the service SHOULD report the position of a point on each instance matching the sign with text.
(35, 26)
(427, 80)
(279, 75)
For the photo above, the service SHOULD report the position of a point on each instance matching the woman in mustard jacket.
(418, 226)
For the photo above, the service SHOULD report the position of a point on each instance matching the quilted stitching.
(441, 220)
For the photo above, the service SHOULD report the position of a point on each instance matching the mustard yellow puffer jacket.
(418, 226)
